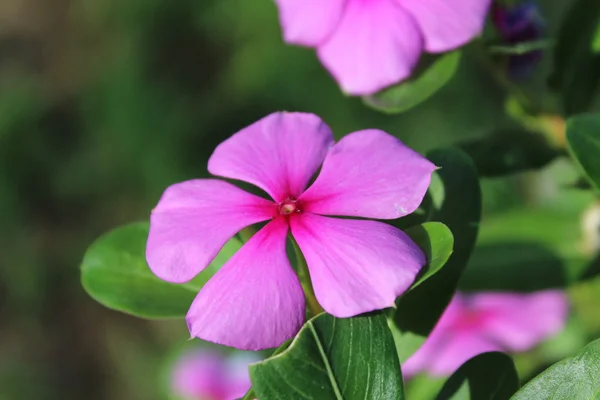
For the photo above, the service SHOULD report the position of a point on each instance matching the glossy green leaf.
(250, 395)
(115, 273)
(508, 152)
(489, 376)
(411, 93)
(575, 378)
(419, 310)
(331, 358)
(583, 138)
(437, 242)
(576, 74)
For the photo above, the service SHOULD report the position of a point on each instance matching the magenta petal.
(279, 153)
(255, 301)
(205, 374)
(198, 374)
(369, 174)
(308, 22)
(193, 220)
(454, 340)
(447, 24)
(476, 323)
(443, 358)
(376, 44)
(521, 321)
(356, 266)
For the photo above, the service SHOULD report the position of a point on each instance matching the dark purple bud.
(517, 24)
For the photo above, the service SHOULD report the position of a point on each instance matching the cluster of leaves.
(361, 357)
(327, 358)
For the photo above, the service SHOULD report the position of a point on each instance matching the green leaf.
(513, 265)
(419, 310)
(115, 273)
(331, 358)
(576, 74)
(436, 241)
(508, 152)
(592, 270)
(583, 139)
(575, 378)
(411, 93)
(534, 247)
(490, 376)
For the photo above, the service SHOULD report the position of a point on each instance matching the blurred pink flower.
(256, 301)
(207, 375)
(368, 45)
(476, 323)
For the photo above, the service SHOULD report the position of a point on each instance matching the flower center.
(288, 206)
(469, 320)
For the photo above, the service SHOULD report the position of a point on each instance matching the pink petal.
(193, 220)
(369, 174)
(279, 153)
(454, 340)
(447, 24)
(446, 352)
(238, 378)
(520, 321)
(356, 266)
(199, 374)
(376, 44)
(255, 301)
(309, 22)
(421, 360)
(205, 374)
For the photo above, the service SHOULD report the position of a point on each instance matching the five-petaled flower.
(496, 321)
(255, 300)
(368, 45)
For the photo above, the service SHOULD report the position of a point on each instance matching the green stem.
(520, 105)
(500, 77)
(302, 269)
(313, 305)
(249, 395)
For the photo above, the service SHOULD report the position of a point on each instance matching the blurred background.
(105, 103)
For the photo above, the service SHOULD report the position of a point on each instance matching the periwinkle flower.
(203, 374)
(495, 321)
(368, 45)
(255, 300)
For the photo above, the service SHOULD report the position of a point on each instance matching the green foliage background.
(104, 103)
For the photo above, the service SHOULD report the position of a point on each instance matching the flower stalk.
(247, 233)
(302, 270)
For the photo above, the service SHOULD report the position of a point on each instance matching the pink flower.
(477, 323)
(368, 45)
(207, 375)
(255, 301)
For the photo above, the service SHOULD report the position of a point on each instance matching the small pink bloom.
(202, 374)
(477, 323)
(256, 301)
(368, 45)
